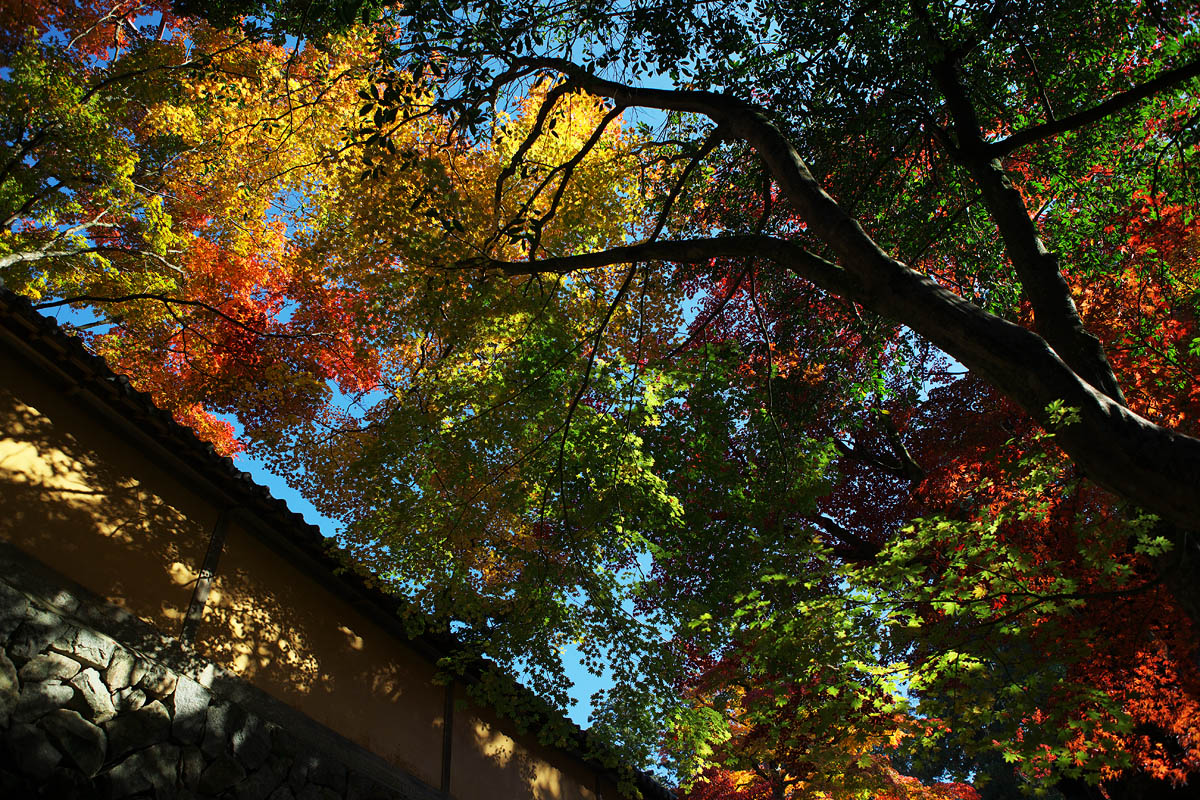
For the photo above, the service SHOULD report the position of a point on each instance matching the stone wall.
(94, 703)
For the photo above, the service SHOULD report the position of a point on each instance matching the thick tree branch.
(858, 453)
(1055, 316)
(26, 256)
(805, 264)
(1080, 119)
(1153, 466)
(855, 547)
(898, 463)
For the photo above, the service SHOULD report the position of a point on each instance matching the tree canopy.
(826, 373)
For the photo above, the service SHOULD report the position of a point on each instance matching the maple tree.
(140, 182)
(679, 397)
(237, 236)
(183, 181)
(925, 173)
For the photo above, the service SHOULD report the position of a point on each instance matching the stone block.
(191, 767)
(282, 793)
(14, 784)
(93, 696)
(126, 778)
(263, 781)
(162, 763)
(222, 720)
(64, 602)
(313, 791)
(10, 688)
(119, 673)
(283, 742)
(298, 775)
(80, 741)
(129, 699)
(206, 675)
(34, 634)
(62, 643)
(190, 705)
(250, 742)
(222, 774)
(8, 594)
(14, 608)
(328, 772)
(154, 769)
(140, 667)
(30, 751)
(138, 729)
(157, 680)
(38, 699)
(49, 666)
(85, 646)
(66, 782)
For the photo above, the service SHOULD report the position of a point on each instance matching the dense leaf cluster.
(826, 374)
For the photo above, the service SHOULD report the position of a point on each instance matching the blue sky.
(586, 683)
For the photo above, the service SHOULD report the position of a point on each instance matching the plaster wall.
(104, 507)
(278, 628)
(87, 502)
(492, 761)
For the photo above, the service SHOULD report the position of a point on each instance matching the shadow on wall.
(283, 630)
(88, 503)
(91, 505)
(491, 763)
(89, 518)
(270, 641)
(261, 637)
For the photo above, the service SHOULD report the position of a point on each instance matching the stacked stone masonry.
(82, 716)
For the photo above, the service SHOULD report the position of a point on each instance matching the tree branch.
(44, 252)
(805, 264)
(168, 302)
(1153, 466)
(857, 548)
(539, 122)
(1112, 105)
(568, 171)
(1055, 316)
(909, 468)
(710, 143)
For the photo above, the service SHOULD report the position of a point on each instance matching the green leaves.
(785, 524)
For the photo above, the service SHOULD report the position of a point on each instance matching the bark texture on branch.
(1155, 467)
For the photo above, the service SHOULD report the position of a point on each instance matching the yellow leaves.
(182, 121)
(257, 133)
(157, 231)
(576, 206)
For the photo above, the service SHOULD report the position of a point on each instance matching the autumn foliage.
(819, 557)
